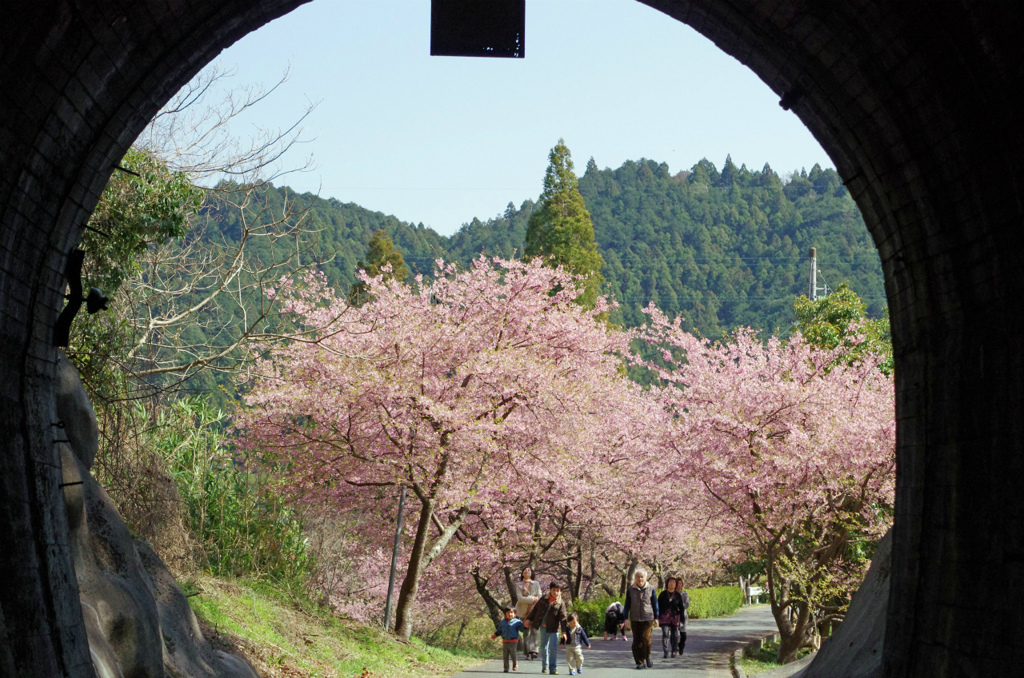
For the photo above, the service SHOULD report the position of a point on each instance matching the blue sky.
(442, 139)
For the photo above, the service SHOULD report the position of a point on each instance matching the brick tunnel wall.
(918, 104)
(915, 102)
(78, 81)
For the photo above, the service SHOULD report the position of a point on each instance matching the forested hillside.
(726, 249)
(721, 248)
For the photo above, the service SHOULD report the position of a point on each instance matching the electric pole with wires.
(813, 288)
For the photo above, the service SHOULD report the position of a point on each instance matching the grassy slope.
(286, 638)
(759, 660)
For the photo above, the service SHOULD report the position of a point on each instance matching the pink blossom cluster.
(777, 431)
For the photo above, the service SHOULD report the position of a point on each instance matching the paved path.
(708, 645)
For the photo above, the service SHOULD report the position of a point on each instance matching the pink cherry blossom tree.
(795, 451)
(481, 391)
(605, 504)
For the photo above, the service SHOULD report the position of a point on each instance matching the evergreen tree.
(560, 229)
(380, 252)
(729, 173)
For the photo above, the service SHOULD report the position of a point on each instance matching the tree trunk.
(421, 558)
(578, 583)
(789, 645)
(494, 608)
(627, 578)
(792, 632)
(593, 575)
(657, 575)
(411, 582)
(513, 590)
(458, 636)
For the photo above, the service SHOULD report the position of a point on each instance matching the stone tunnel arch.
(918, 105)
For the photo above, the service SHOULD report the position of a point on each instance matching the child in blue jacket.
(509, 630)
(574, 643)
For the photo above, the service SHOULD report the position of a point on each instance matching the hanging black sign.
(477, 28)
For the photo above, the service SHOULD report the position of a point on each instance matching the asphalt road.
(708, 645)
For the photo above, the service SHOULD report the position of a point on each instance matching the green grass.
(474, 641)
(287, 637)
(759, 660)
(751, 666)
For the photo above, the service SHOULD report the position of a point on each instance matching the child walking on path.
(642, 612)
(574, 645)
(509, 629)
(549, 615)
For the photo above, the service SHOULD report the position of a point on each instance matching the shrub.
(134, 474)
(717, 601)
(591, 613)
(239, 518)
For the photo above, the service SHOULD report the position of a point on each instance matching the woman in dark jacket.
(682, 619)
(670, 605)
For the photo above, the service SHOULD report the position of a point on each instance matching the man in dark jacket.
(549, 615)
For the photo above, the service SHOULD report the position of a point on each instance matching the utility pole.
(394, 559)
(813, 289)
(812, 293)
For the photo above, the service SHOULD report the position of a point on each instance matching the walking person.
(574, 644)
(509, 629)
(528, 592)
(549, 616)
(685, 597)
(670, 605)
(642, 612)
(615, 621)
